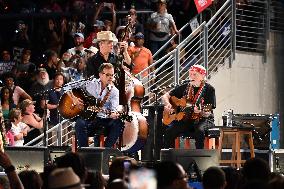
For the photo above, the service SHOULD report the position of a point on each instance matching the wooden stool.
(236, 132)
(209, 143)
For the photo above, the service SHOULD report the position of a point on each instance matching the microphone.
(187, 81)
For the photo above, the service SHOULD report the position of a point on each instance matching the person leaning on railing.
(31, 119)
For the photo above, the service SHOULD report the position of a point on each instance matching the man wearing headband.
(198, 115)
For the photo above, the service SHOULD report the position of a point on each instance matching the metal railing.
(276, 15)
(252, 25)
(210, 45)
(58, 135)
(234, 26)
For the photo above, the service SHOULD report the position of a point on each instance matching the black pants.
(178, 128)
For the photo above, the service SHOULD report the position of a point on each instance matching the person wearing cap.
(141, 56)
(105, 40)
(31, 119)
(141, 59)
(91, 52)
(79, 49)
(159, 25)
(201, 97)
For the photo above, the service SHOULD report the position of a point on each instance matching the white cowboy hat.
(105, 36)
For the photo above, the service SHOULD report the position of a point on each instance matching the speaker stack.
(154, 143)
(98, 158)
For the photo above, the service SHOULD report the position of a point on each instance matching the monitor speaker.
(55, 152)
(28, 157)
(97, 158)
(204, 158)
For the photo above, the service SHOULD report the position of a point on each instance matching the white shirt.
(17, 129)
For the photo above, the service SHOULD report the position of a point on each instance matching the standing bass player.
(188, 108)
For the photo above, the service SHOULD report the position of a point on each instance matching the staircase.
(210, 45)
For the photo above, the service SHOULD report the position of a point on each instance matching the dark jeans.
(178, 128)
(154, 46)
(84, 129)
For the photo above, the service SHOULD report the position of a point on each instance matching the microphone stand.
(45, 122)
(156, 105)
(155, 124)
(44, 94)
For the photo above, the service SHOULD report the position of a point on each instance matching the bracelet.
(10, 169)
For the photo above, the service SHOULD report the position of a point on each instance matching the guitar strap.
(194, 99)
(102, 102)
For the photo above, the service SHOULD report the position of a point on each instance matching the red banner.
(202, 4)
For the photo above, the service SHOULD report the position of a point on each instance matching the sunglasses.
(108, 75)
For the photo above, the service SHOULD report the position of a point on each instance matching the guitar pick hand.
(168, 108)
(77, 102)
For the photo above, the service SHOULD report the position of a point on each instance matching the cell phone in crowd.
(142, 179)
(127, 165)
(107, 4)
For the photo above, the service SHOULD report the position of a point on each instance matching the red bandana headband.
(198, 68)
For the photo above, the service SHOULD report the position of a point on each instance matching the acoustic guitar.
(68, 110)
(182, 110)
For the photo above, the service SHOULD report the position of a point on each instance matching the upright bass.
(135, 132)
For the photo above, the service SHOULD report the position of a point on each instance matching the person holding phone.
(111, 25)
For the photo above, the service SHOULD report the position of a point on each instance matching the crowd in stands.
(34, 68)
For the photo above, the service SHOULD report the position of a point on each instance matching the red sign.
(202, 4)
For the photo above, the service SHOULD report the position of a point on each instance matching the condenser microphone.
(187, 81)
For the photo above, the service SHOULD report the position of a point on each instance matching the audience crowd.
(35, 66)
(70, 171)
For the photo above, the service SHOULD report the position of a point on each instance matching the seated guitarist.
(108, 96)
(196, 94)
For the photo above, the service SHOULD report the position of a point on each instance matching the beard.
(43, 81)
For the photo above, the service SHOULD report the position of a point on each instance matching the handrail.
(193, 34)
(47, 132)
(172, 52)
(217, 13)
(165, 45)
